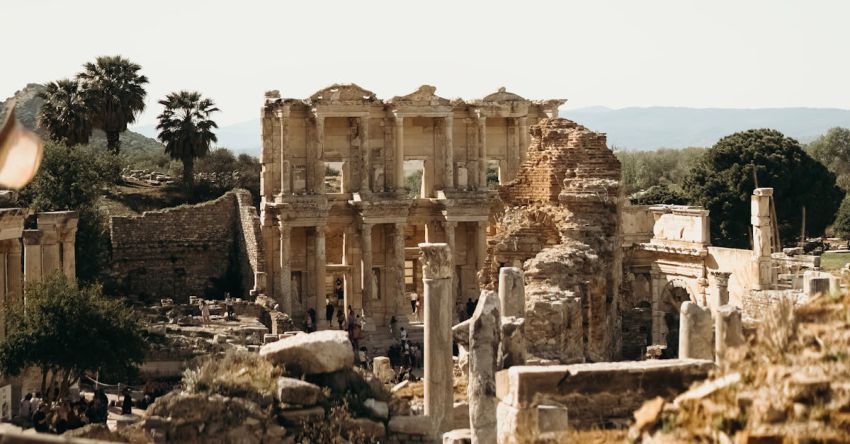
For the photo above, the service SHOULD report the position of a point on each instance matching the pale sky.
(718, 53)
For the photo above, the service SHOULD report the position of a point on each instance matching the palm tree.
(185, 128)
(114, 86)
(65, 113)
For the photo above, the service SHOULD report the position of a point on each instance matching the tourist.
(413, 300)
(329, 311)
(36, 402)
(363, 358)
(418, 310)
(60, 418)
(393, 329)
(403, 335)
(205, 312)
(339, 291)
(340, 317)
(39, 419)
(228, 305)
(461, 312)
(470, 308)
(308, 323)
(25, 409)
(127, 405)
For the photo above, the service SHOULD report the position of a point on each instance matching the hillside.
(672, 127)
(27, 111)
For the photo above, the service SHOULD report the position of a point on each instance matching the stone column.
(436, 277)
(718, 289)
(4, 296)
(448, 169)
(366, 257)
(69, 254)
(398, 266)
(285, 165)
(285, 278)
(480, 245)
(398, 171)
(319, 168)
(483, 351)
(523, 138)
(51, 258)
(365, 155)
(449, 230)
(760, 218)
(321, 264)
(482, 152)
(695, 336)
(728, 330)
(32, 256)
(14, 273)
(512, 291)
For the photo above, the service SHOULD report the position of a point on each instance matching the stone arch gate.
(671, 284)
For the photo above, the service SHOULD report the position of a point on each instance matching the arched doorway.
(674, 293)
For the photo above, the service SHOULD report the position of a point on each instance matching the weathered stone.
(378, 409)
(298, 392)
(413, 425)
(320, 352)
(511, 343)
(483, 352)
(728, 330)
(382, 369)
(365, 426)
(300, 416)
(511, 292)
(460, 415)
(458, 436)
(437, 274)
(695, 335)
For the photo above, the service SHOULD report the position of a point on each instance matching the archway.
(674, 293)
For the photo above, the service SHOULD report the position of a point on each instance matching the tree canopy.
(68, 331)
(185, 128)
(723, 179)
(65, 113)
(833, 150)
(115, 89)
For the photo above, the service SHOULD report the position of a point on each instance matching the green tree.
(185, 128)
(116, 92)
(659, 195)
(67, 332)
(65, 113)
(72, 179)
(722, 181)
(833, 150)
(841, 226)
(231, 171)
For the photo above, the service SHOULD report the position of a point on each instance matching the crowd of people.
(62, 415)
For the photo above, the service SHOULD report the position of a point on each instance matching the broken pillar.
(437, 280)
(695, 336)
(483, 351)
(728, 330)
(763, 233)
(511, 292)
(512, 344)
(718, 289)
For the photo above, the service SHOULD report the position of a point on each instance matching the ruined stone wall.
(188, 250)
(568, 185)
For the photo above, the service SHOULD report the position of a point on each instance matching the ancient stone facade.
(561, 224)
(336, 204)
(204, 249)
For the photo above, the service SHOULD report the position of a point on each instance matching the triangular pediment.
(340, 93)
(422, 96)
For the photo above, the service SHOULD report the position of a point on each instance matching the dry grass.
(794, 386)
(239, 374)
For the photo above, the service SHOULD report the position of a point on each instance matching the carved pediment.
(503, 96)
(422, 96)
(341, 93)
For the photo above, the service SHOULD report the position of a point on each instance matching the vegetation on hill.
(186, 129)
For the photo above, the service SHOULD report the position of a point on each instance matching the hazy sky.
(717, 53)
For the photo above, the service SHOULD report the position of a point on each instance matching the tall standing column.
(482, 153)
(321, 264)
(366, 252)
(398, 172)
(14, 273)
(449, 229)
(398, 266)
(480, 245)
(523, 138)
(760, 218)
(436, 277)
(512, 292)
(718, 289)
(285, 164)
(365, 155)
(319, 164)
(32, 256)
(448, 170)
(285, 298)
(69, 255)
(4, 296)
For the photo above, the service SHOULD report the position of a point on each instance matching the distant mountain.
(28, 105)
(671, 127)
(634, 128)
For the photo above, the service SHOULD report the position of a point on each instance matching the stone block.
(320, 352)
(377, 409)
(298, 392)
(382, 368)
(696, 340)
(457, 436)
(411, 425)
(293, 417)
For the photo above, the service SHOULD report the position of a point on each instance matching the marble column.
(695, 335)
(365, 155)
(366, 257)
(51, 257)
(436, 277)
(449, 230)
(512, 345)
(285, 278)
(69, 254)
(321, 264)
(482, 153)
(14, 273)
(483, 351)
(285, 165)
(448, 145)
(480, 245)
(398, 267)
(319, 185)
(760, 218)
(32, 256)
(512, 291)
(398, 170)
(718, 289)
(523, 138)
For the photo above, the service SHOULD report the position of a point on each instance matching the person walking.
(228, 305)
(413, 299)
(340, 317)
(329, 311)
(470, 308)
(205, 312)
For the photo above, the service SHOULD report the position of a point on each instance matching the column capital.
(450, 224)
(436, 260)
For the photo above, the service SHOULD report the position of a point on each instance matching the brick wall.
(202, 249)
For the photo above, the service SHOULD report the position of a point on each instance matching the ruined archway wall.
(571, 177)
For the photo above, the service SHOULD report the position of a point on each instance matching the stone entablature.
(365, 231)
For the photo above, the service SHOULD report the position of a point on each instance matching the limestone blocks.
(728, 330)
(483, 351)
(320, 352)
(695, 336)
